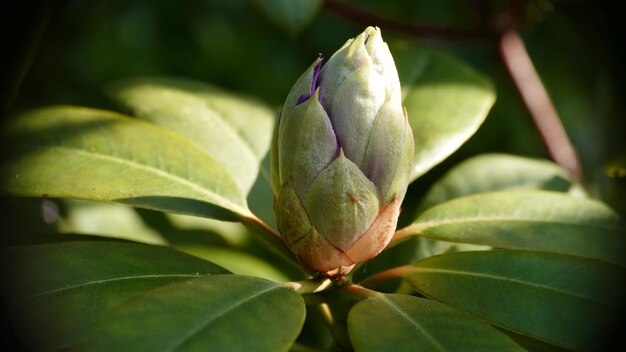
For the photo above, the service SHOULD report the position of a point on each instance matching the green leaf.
(568, 301)
(73, 152)
(261, 195)
(57, 290)
(217, 313)
(233, 130)
(483, 173)
(534, 220)
(531, 344)
(405, 253)
(184, 231)
(486, 173)
(107, 220)
(495, 172)
(446, 101)
(235, 261)
(290, 15)
(394, 322)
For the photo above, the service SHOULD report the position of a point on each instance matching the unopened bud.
(341, 157)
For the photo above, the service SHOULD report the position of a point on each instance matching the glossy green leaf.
(73, 152)
(211, 119)
(215, 121)
(486, 173)
(405, 323)
(483, 173)
(184, 230)
(446, 102)
(534, 220)
(404, 253)
(495, 172)
(217, 313)
(568, 301)
(56, 291)
(290, 15)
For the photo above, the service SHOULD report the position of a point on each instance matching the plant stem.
(362, 292)
(336, 317)
(404, 234)
(388, 274)
(309, 286)
(261, 225)
(537, 101)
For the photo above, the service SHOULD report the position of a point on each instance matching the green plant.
(501, 252)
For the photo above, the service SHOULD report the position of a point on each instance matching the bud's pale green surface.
(341, 157)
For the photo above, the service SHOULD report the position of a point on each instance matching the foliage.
(173, 245)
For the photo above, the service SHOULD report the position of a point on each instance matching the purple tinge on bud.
(314, 82)
(341, 161)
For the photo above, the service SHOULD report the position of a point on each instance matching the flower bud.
(341, 157)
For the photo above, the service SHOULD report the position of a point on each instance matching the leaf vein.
(509, 279)
(421, 226)
(219, 314)
(412, 322)
(96, 282)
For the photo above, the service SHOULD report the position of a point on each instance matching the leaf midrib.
(172, 88)
(219, 314)
(211, 113)
(121, 278)
(508, 279)
(421, 226)
(395, 307)
(214, 197)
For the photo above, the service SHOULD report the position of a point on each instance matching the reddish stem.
(360, 291)
(388, 274)
(537, 101)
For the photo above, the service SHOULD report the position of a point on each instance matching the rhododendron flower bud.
(341, 157)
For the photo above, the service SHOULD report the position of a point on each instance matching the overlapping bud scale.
(341, 156)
